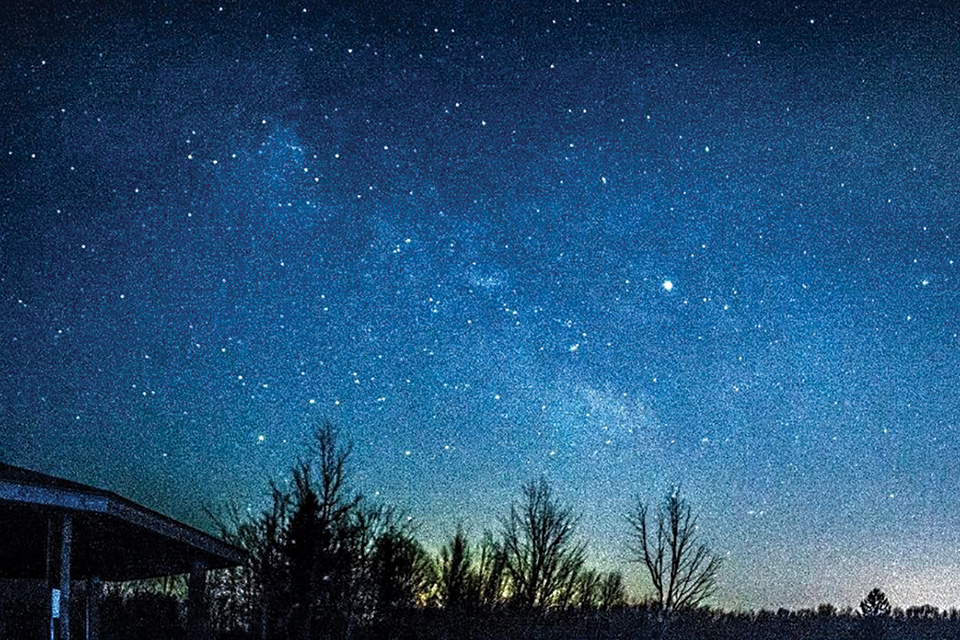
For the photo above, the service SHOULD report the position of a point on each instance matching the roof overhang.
(114, 538)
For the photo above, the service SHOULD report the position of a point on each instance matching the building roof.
(113, 538)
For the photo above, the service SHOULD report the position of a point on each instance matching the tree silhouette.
(402, 569)
(923, 611)
(540, 552)
(458, 584)
(682, 569)
(323, 564)
(875, 605)
(254, 597)
(300, 569)
(588, 589)
(304, 536)
(491, 570)
(612, 592)
(318, 552)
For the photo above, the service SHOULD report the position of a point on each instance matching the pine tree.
(875, 604)
(458, 582)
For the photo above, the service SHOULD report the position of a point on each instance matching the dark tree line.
(324, 563)
(320, 560)
(149, 612)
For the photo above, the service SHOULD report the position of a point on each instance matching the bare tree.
(588, 589)
(491, 570)
(369, 523)
(541, 552)
(682, 569)
(612, 591)
(567, 593)
(253, 598)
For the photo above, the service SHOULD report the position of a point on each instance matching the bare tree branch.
(541, 554)
(682, 569)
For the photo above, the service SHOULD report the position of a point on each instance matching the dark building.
(60, 540)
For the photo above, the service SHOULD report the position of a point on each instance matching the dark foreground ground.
(635, 623)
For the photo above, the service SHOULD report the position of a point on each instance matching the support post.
(198, 612)
(49, 583)
(66, 539)
(94, 596)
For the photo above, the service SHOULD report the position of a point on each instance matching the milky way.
(625, 246)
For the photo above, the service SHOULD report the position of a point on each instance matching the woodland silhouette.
(324, 563)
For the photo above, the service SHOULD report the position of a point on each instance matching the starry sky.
(623, 245)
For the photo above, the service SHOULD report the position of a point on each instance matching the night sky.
(623, 245)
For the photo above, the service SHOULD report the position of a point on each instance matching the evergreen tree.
(458, 582)
(402, 568)
(875, 605)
